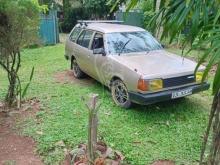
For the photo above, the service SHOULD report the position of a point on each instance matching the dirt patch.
(14, 148)
(164, 162)
(67, 77)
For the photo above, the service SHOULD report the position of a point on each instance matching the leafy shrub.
(18, 28)
(148, 8)
(70, 18)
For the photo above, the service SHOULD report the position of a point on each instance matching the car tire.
(77, 72)
(120, 94)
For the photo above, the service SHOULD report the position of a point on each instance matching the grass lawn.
(170, 130)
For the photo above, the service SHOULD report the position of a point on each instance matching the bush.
(70, 18)
(148, 9)
(18, 28)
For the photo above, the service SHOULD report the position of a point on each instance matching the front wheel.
(120, 94)
(77, 72)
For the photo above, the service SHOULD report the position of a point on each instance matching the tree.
(19, 23)
(201, 18)
(99, 9)
(73, 10)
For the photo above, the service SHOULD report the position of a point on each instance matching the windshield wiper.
(124, 46)
(147, 51)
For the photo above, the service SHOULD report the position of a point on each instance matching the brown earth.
(67, 77)
(16, 149)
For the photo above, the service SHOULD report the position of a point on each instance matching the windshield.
(140, 41)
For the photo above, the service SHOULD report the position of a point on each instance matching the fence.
(134, 18)
(49, 31)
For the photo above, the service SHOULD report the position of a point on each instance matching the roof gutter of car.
(99, 21)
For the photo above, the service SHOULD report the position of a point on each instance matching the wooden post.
(92, 126)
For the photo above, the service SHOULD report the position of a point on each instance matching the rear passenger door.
(82, 50)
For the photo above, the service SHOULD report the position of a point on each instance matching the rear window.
(75, 34)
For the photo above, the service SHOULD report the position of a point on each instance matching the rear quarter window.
(75, 33)
(85, 38)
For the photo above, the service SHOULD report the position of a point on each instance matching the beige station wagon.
(131, 62)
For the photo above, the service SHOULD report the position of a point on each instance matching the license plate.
(181, 93)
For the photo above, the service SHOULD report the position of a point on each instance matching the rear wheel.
(77, 72)
(120, 94)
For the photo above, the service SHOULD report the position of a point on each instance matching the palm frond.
(212, 55)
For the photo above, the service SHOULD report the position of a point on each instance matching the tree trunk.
(92, 127)
(214, 121)
(214, 156)
(159, 31)
(11, 95)
(12, 66)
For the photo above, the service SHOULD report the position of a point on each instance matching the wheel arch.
(72, 57)
(113, 79)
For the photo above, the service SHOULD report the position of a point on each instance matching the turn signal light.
(142, 85)
(199, 76)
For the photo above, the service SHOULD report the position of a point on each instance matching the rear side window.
(75, 34)
(80, 39)
(84, 38)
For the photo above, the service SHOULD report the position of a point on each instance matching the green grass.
(170, 130)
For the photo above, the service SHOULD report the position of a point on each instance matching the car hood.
(157, 64)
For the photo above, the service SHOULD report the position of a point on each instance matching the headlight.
(199, 76)
(150, 85)
(155, 85)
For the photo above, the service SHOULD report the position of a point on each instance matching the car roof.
(112, 28)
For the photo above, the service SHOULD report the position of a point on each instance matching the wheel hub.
(120, 94)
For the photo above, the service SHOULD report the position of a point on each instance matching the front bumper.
(151, 98)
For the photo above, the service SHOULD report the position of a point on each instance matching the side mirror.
(99, 51)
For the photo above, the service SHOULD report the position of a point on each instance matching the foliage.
(148, 9)
(75, 10)
(71, 16)
(18, 28)
(170, 130)
(28, 84)
(81, 10)
(97, 8)
(52, 4)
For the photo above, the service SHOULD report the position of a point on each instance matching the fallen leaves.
(104, 155)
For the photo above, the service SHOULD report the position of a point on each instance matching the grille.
(178, 81)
